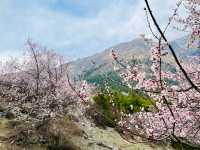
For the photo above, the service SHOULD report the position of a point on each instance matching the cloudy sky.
(76, 28)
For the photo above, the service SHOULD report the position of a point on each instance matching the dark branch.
(171, 48)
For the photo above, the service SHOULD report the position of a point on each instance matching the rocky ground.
(74, 135)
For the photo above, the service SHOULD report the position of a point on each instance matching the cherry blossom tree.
(176, 114)
(38, 87)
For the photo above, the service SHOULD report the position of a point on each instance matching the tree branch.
(171, 48)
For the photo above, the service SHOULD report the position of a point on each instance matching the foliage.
(126, 102)
(112, 79)
(113, 103)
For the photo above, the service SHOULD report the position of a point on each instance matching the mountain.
(181, 47)
(137, 48)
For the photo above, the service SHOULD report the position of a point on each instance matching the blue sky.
(75, 28)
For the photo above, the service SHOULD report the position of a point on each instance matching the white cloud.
(75, 35)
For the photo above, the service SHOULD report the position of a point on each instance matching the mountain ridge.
(134, 48)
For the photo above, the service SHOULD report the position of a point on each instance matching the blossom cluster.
(176, 113)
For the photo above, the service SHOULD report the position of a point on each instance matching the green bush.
(111, 105)
(105, 114)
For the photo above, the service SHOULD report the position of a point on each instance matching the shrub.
(109, 106)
